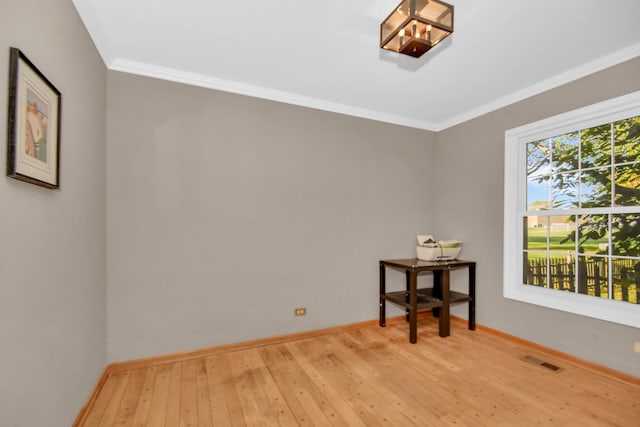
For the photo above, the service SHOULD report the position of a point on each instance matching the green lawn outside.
(537, 240)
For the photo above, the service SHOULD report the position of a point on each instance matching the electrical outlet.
(636, 347)
(302, 311)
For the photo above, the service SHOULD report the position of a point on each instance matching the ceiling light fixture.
(415, 26)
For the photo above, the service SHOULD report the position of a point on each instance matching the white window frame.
(515, 202)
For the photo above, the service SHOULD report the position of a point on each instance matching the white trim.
(620, 312)
(592, 67)
(515, 205)
(202, 80)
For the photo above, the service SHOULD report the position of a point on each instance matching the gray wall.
(226, 212)
(470, 207)
(52, 242)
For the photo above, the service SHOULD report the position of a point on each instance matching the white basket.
(438, 253)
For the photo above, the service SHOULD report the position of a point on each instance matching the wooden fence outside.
(592, 277)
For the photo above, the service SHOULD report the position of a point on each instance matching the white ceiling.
(325, 54)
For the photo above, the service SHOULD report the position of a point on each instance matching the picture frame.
(33, 128)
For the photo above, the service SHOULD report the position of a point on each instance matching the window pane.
(538, 193)
(626, 280)
(625, 234)
(564, 190)
(627, 140)
(538, 158)
(596, 188)
(562, 230)
(627, 186)
(535, 269)
(593, 234)
(535, 228)
(562, 272)
(595, 146)
(593, 276)
(564, 149)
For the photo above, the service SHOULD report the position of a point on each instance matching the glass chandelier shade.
(415, 26)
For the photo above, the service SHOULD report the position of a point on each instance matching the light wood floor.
(369, 377)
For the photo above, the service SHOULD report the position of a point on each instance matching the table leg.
(472, 296)
(407, 293)
(413, 307)
(383, 316)
(437, 291)
(443, 320)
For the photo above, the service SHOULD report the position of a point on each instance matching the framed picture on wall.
(33, 129)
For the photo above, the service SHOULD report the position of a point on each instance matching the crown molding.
(592, 67)
(201, 80)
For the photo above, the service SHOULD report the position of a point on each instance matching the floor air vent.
(536, 361)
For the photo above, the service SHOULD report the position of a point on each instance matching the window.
(572, 211)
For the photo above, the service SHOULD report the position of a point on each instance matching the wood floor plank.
(224, 402)
(142, 410)
(202, 393)
(172, 417)
(111, 411)
(254, 410)
(188, 395)
(369, 376)
(159, 396)
(130, 399)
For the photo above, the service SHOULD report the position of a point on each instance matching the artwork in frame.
(33, 128)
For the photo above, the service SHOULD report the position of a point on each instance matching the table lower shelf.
(426, 300)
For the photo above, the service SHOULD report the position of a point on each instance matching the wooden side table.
(438, 298)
